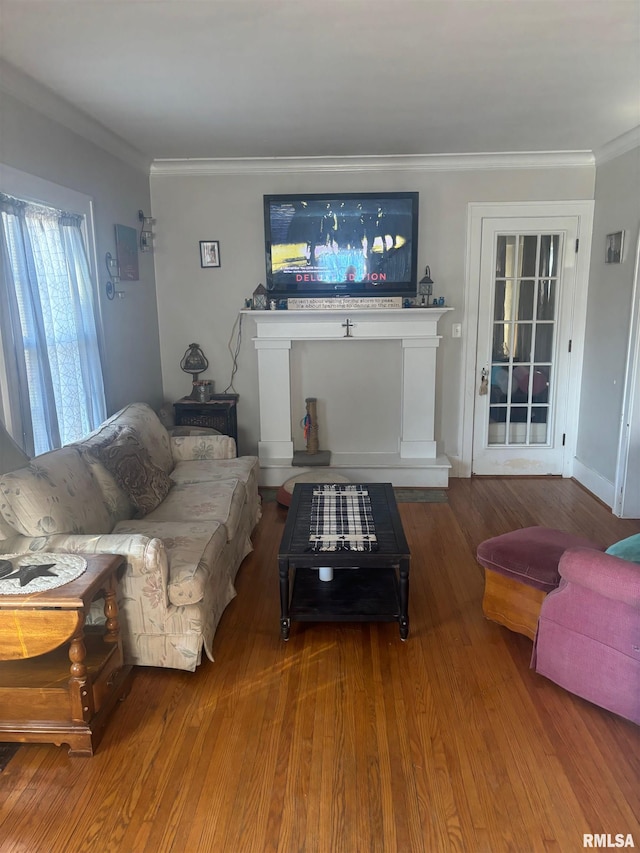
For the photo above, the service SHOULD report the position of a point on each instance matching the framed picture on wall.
(209, 253)
(615, 245)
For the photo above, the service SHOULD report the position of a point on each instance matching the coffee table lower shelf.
(354, 595)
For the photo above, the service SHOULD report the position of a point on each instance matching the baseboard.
(594, 482)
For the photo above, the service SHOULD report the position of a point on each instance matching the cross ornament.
(348, 326)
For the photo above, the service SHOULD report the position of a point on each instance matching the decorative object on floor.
(146, 232)
(312, 455)
(310, 424)
(194, 362)
(259, 298)
(521, 568)
(209, 254)
(588, 632)
(127, 251)
(38, 572)
(284, 493)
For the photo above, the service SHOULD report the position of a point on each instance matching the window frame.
(31, 188)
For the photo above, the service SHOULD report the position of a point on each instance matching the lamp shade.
(194, 361)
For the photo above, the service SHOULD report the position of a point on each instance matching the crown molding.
(28, 91)
(621, 145)
(374, 163)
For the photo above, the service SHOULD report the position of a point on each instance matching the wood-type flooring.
(344, 738)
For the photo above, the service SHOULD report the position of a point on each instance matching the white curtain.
(49, 336)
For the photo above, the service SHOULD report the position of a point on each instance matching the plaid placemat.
(341, 519)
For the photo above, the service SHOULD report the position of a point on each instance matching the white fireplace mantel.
(415, 328)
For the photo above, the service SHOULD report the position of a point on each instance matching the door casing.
(477, 212)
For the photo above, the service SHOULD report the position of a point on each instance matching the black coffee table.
(366, 585)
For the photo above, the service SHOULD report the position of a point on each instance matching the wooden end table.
(220, 412)
(366, 585)
(59, 680)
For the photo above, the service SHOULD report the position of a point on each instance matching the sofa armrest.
(186, 448)
(146, 558)
(602, 573)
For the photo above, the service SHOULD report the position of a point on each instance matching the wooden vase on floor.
(312, 434)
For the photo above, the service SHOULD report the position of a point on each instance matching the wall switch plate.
(456, 330)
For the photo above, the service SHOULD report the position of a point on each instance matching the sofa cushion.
(243, 468)
(221, 501)
(115, 498)
(146, 484)
(141, 418)
(202, 448)
(55, 493)
(193, 552)
(626, 549)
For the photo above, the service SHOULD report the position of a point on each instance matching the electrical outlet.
(456, 330)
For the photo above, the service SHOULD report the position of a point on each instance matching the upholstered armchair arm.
(604, 574)
(186, 448)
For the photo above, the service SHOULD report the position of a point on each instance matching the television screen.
(341, 244)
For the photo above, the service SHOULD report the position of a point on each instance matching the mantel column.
(274, 387)
(418, 397)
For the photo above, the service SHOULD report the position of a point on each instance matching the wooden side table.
(220, 412)
(59, 680)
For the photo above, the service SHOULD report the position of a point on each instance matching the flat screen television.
(341, 244)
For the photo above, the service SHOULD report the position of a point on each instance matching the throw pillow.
(128, 460)
(627, 549)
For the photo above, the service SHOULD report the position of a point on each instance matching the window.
(53, 388)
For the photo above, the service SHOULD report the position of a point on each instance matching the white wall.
(34, 143)
(617, 207)
(202, 304)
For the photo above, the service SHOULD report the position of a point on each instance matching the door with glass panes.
(527, 285)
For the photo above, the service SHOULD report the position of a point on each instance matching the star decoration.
(28, 573)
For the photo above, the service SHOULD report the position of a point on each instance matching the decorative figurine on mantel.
(425, 288)
(259, 298)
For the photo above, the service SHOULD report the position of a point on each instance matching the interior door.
(527, 286)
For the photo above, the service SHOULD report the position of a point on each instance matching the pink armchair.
(588, 637)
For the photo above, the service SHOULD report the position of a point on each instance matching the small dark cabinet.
(217, 413)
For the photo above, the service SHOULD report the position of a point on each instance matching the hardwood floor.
(345, 738)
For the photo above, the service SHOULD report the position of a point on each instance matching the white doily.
(67, 568)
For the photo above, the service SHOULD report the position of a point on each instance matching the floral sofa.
(181, 509)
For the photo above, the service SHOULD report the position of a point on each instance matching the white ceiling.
(265, 78)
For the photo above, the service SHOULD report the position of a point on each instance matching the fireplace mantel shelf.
(368, 323)
(417, 331)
